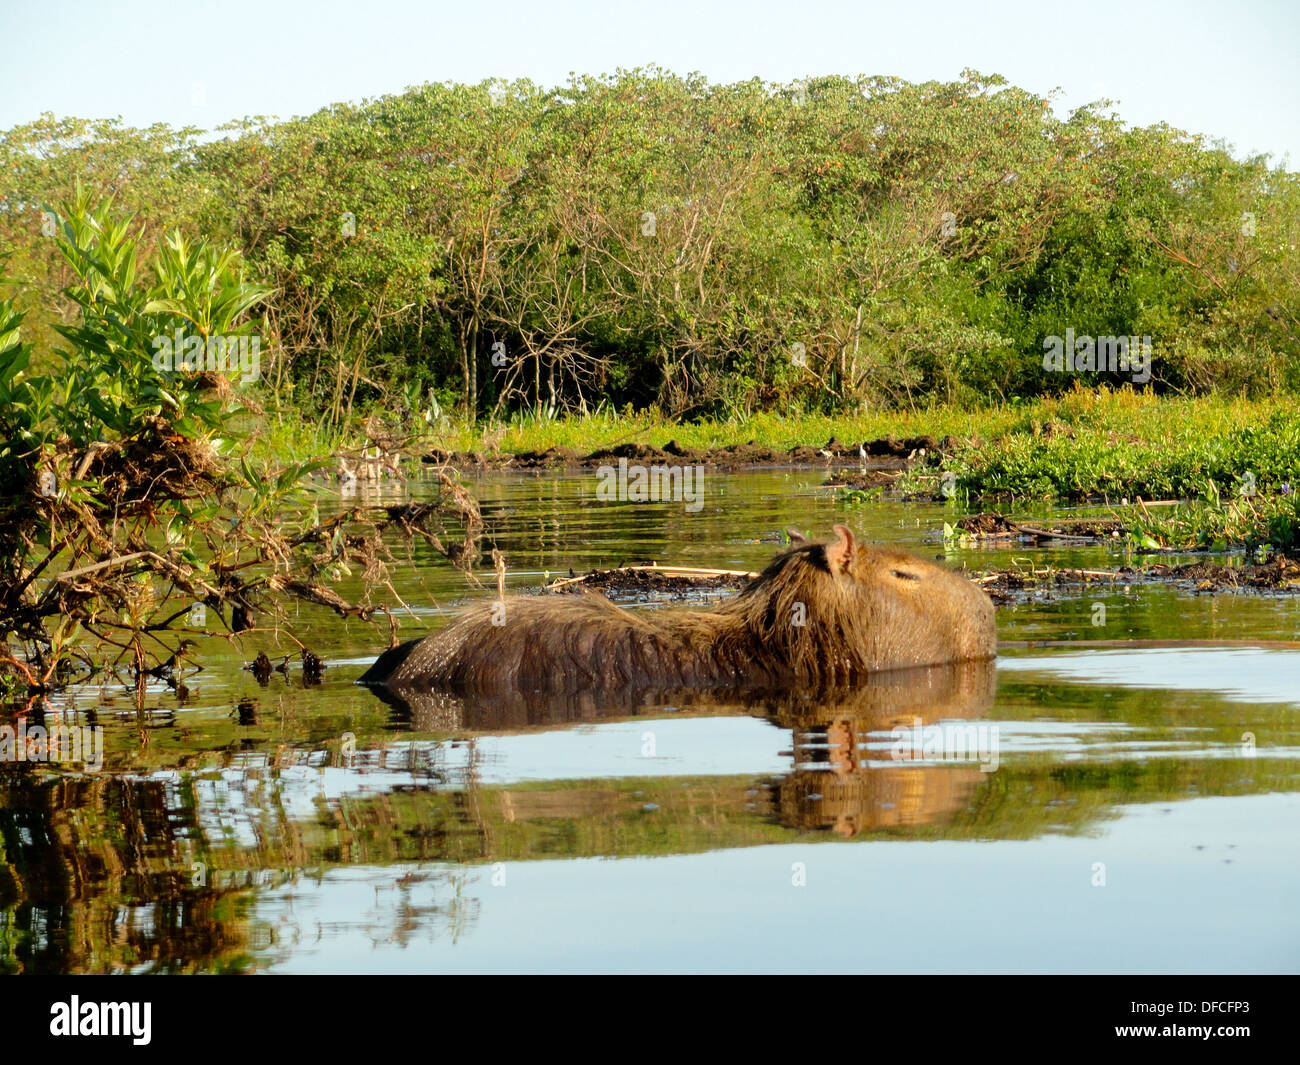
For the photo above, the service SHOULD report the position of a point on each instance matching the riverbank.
(1070, 447)
(885, 452)
(1208, 473)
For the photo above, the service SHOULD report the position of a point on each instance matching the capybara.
(819, 614)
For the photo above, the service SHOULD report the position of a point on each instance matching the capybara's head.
(843, 608)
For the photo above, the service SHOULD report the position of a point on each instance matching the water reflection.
(160, 870)
(248, 826)
(961, 690)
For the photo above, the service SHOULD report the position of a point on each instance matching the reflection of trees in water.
(161, 874)
(417, 906)
(213, 869)
(448, 912)
(89, 881)
(161, 870)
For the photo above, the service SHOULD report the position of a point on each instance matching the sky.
(1228, 70)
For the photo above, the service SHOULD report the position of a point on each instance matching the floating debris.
(311, 668)
(651, 577)
(261, 669)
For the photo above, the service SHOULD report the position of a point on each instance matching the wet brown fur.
(865, 608)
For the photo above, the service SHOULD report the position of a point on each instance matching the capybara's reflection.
(854, 748)
(849, 778)
(880, 700)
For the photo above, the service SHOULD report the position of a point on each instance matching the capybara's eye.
(903, 575)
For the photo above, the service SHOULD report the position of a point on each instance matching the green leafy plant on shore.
(1258, 524)
(132, 511)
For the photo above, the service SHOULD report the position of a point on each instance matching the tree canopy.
(651, 239)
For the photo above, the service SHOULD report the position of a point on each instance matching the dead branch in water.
(1083, 574)
(654, 567)
(240, 559)
(499, 563)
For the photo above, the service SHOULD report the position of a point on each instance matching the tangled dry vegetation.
(135, 513)
(104, 564)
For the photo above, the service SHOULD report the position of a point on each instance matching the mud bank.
(995, 527)
(646, 581)
(886, 452)
(1276, 576)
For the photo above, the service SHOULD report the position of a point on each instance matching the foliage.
(129, 492)
(711, 250)
(1161, 455)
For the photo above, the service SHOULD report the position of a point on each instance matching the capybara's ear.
(797, 539)
(840, 554)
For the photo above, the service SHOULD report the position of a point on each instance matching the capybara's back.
(819, 613)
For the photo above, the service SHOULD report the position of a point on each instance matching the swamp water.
(1070, 810)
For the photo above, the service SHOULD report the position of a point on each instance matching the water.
(1072, 810)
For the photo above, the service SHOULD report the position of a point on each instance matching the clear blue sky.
(1229, 70)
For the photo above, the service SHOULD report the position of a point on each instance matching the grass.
(1185, 452)
(777, 431)
(1087, 437)
(1044, 447)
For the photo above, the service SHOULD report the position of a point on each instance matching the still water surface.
(1072, 810)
